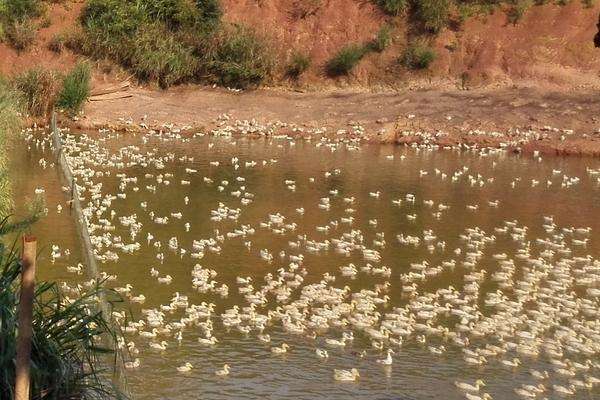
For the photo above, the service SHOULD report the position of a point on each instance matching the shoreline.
(525, 119)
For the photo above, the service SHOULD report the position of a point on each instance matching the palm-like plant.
(71, 337)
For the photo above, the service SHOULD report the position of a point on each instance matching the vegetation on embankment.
(75, 88)
(34, 94)
(17, 25)
(72, 343)
(66, 352)
(173, 41)
(178, 41)
(9, 122)
(38, 91)
(223, 42)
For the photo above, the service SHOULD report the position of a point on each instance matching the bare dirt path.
(453, 111)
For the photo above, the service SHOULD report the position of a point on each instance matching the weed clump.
(432, 14)
(298, 64)
(236, 57)
(382, 39)
(392, 7)
(345, 60)
(16, 22)
(516, 12)
(75, 88)
(57, 43)
(37, 88)
(20, 34)
(173, 41)
(417, 55)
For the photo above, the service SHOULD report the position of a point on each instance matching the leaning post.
(22, 376)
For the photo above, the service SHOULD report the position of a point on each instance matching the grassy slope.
(475, 47)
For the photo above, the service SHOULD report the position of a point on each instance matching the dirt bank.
(550, 44)
(530, 119)
(533, 85)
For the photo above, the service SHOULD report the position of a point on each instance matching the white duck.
(322, 353)
(467, 387)
(345, 375)
(280, 350)
(224, 371)
(187, 367)
(388, 360)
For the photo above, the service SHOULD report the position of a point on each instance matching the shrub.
(75, 89)
(181, 14)
(45, 22)
(155, 55)
(418, 55)
(37, 88)
(210, 11)
(345, 60)
(236, 57)
(393, 7)
(16, 25)
(516, 12)
(299, 63)
(432, 14)
(21, 34)
(8, 108)
(305, 8)
(173, 41)
(57, 43)
(20, 10)
(9, 122)
(159, 40)
(382, 40)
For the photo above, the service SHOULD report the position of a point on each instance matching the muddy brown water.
(416, 373)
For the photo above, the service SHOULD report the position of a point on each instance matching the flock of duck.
(535, 299)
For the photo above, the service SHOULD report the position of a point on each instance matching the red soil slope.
(551, 44)
(63, 18)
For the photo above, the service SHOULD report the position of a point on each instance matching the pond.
(468, 265)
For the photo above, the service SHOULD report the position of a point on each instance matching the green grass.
(417, 55)
(298, 64)
(432, 14)
(10, 122)
(57, 43)
(75, 88)
(517, 11)
(173, 41)
(382, 40)
(20, 10)
(155, 55)
(236, 57)
(38, 90)
(344, 61)
(16, 22)
(392, 7)
(20, 34)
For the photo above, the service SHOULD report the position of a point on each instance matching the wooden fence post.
(25, 318)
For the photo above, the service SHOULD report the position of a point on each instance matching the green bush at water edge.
(37, 88)
(75, 89)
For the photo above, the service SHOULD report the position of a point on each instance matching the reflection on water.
(445, 257)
